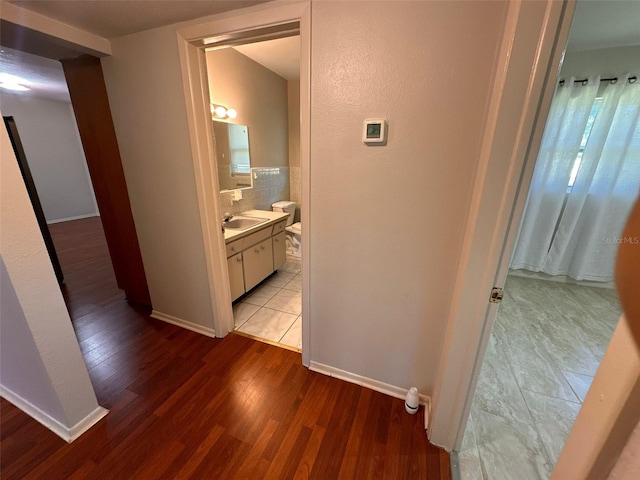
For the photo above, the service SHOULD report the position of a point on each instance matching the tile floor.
(545, 347)
(273, 310)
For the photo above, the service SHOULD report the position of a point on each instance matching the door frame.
(530, 57)
(196, 93)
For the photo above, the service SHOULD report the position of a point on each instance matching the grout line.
(261, 307)
(247, 319)
(287, 331)
(571, 386)
(532, 422)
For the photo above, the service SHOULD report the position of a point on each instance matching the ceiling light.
(12, 82)
(14, 86)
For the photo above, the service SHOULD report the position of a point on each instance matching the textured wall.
(149, 115)
(387, 222)
(49, 135)
(259, 96)
(40, 357)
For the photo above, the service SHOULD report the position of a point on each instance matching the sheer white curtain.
(577, 233)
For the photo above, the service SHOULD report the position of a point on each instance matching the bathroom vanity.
(254, 251)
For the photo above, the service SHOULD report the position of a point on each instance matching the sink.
(240, 222)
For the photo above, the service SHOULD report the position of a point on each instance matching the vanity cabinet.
(254, 257)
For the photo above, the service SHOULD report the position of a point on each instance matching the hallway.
(183, 405)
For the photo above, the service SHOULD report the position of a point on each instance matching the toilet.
(293, 230)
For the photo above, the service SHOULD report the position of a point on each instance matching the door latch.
(497, 294)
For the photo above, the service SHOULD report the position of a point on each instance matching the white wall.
(607, 62)
(260, 98)
(387, 222)
(21, 367)
(295, 180)
(144, 85)
(380, 290)
(43, 371)
(51, 142)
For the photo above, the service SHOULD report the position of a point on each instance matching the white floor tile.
(551, 337)
(554, 418)
(261, 295)
(579, 383)
(293, 337)
(268, 324)
(280, 279)
(293, 265)
(286, 301)
(294, 284)
(242, 312)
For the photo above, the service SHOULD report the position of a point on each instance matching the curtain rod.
(613, 80)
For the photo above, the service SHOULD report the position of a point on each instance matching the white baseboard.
(68, 434)
(560, 279)
(375, 385)
(194, 327)
(69, 219)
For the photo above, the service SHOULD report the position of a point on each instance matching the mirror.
(232, 151)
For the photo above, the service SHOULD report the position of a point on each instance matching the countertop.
(274, 217)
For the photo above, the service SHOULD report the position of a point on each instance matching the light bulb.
(14, 86)
(220, 111)
(231, 113)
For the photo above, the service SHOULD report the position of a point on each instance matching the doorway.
(51, 156)
(255, 102)
(51, 128)
(549, 335)
(192, 42)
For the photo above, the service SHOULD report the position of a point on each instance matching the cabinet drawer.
(256, 237)
(279, 227)
(234, 247)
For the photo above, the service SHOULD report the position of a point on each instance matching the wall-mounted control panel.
(374, 131)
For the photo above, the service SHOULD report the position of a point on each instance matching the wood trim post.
(91, 107)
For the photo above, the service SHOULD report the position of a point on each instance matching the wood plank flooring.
(185, 406)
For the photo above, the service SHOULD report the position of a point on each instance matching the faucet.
(225, 218)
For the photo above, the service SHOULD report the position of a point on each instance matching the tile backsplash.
(270, 184)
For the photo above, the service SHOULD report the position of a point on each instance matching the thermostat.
(375, 131)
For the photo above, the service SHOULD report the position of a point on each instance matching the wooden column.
(93, 115)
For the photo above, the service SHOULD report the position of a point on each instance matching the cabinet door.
(266, 257)
(258, 263)
(251, 266)
(279, 250)
(236, 275)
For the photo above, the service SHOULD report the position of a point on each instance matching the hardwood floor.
(186, 406)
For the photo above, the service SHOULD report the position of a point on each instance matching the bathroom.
(257, 142)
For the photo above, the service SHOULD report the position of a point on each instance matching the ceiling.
(115, 18)
(281, 55)
(43, 76)
(597, 24)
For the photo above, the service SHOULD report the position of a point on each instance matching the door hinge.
(496, 295)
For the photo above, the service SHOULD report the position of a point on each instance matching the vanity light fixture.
(220, 111)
